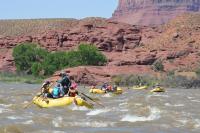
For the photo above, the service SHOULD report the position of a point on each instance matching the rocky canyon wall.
(152, 12)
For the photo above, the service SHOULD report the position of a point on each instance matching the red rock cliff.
(153, 12)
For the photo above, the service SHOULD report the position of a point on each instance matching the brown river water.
(135, 111)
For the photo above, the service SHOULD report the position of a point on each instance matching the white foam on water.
(97, 111)
(59, 132)
(197, 123)
(80, 108)
(107, 95)
(122, 104)
(28, 122)
(197, 101)
(3, 110)
(190, 97)
(174, 105)
(57, 122)
(154, 115)
(92, 124)
(160, 95)
(5, 105)
(15, 118)
(138, 104)
(183, 121)
(124, 110)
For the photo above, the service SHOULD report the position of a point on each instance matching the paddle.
(29, 103)
(92, 99)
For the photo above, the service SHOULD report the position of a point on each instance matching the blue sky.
(26, 9)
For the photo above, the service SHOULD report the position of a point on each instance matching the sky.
(29, 9)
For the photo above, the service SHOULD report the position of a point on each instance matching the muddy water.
(176, 111)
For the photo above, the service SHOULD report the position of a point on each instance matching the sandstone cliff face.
(129, 49)
(106, 35)
(152, 12)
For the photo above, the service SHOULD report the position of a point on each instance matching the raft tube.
(64, 101)
(140, 87)
(158, 89)
(99, 91)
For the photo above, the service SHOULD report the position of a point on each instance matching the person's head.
(47, 82)
(62, 74)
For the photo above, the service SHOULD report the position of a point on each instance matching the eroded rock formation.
(152, 12)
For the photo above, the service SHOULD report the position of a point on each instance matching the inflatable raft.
(140, 87)
(99, 91)
(158, 89)
(64, 101)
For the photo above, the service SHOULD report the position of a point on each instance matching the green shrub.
(89, 55)
(36, 69)
(158, 66)
(31, 59)
(26, 54)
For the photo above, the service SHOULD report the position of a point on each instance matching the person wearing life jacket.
(65, 83)
(104, 86)
(73, 90)
(114, 89)
(56, 92)
(45, 89)
(109, 88)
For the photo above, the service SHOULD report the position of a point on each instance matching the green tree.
(36, 69)
(26, 54)
(158, 66)
(89, 55)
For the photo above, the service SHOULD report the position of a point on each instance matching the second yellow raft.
(158, 89)
(99, 91)
(140, 87)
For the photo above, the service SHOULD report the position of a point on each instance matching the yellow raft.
(158, 89)
(99, 91)
(64, 101)
(140, 87)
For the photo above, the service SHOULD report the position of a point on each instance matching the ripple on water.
(174, 105)
(98, 111)
(3, 108)
(92, 124)
(197, 123)
(154, 115)
(107, 95)
(80, 108)
(57, 122)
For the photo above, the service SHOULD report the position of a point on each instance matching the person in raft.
(56, 92)
(45, 89)
(73, 91)
(104, 86)
(64, 82)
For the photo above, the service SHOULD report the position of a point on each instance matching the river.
(135, 111)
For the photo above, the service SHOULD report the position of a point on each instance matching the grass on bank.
(169, 80)
(22, 78)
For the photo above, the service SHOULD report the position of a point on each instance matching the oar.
(29, 103)
(92, 99)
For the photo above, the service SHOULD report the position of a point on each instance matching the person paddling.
(65, 83)
(45, 89)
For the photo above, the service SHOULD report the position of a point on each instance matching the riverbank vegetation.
(168, 80)
(19, 77)
(33, 60)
